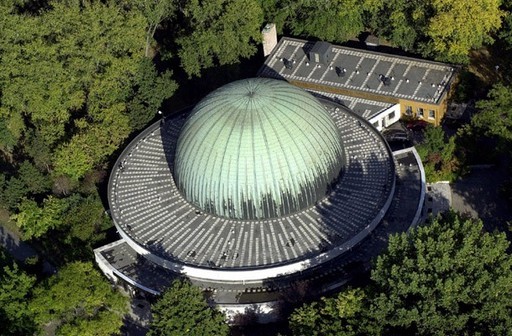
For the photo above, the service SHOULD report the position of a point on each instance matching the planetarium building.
(259, 186)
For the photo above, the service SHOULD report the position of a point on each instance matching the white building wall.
(264, 312)
(386, 117)
(104, 265)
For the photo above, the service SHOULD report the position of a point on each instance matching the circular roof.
(257, 148)
(155, 219)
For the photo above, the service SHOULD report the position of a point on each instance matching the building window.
(431, 114)
(408, 110)
(420, 112)
(376, 124)
(391, 115)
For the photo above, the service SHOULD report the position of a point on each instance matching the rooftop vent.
(340, 71)
(385, 80)
(288, 64)
(321, 53)
(372, 41)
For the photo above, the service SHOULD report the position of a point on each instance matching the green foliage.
(2, 181)
(104, 323)
(400, 21)
(85, 220)
(495, 117)
(36, 148)
(69, 227)
(218, 32)
(278, 11)
(467, 86)
(505, 33)
(459, 26)
(34, 221)
(439, 156)
(14, 191)
(330, 316)
(155, 11)
(29, 181)
(77, 102)
(15, 289)
(335, 21)
(32, 177)
(81, 301)
(443, 29)
(90, 147)
(182, 310)
(7, 138)
(445, 278)
(150, 90)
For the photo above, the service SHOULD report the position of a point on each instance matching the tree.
(32, 177)
(218, 32)
(460, 26)
(87, 93)
(448, 277)
(85, 218)
(15, 289)
(495, 117)
(81, 301)
(338, 315)
(34, 221)
(278, 11)
(84, 226)
(148, 92)
(438, 155)
(13, 192)
(402, 22)
(505, 33)
(66, 227)
(443, 29)
(182, 310)
(155, 12)
(467, 87)
(29, 181)
(335, 21)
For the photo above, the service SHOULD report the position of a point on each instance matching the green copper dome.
(257, 148)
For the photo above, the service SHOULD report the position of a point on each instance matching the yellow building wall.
(439, 109)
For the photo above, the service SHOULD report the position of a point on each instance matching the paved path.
(478, 195)
(21, 250)
(438, 198)
(10, 241)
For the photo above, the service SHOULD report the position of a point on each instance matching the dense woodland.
(79, 78)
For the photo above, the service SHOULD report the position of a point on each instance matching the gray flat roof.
(135, 267)
(361, 70)
(146, 204)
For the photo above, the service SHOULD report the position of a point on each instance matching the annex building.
(259, 187)
(380, 87)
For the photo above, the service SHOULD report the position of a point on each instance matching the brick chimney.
(269, 34)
